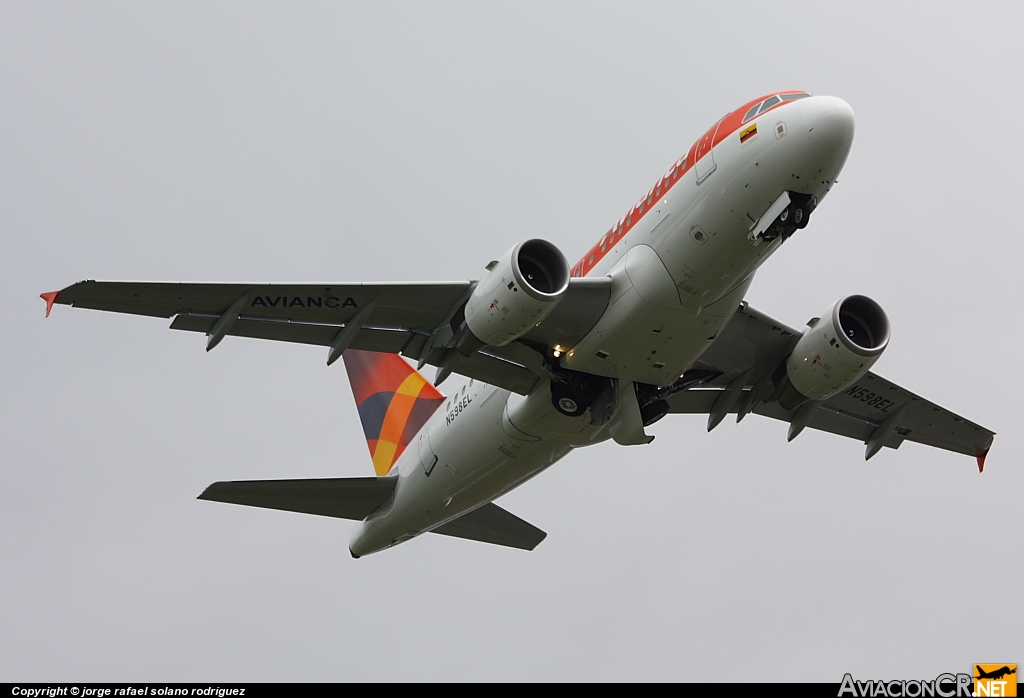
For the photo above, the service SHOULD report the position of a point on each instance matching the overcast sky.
(417, 141)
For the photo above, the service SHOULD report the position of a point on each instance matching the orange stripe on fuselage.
(726, 126)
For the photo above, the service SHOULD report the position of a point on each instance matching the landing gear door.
(427, 458)
(704, 156)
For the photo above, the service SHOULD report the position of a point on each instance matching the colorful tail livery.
(394, 402)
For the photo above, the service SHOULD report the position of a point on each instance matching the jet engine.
(519, 290)
(837, 350)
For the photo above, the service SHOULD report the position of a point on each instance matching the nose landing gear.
(794, 217)
(802, 211)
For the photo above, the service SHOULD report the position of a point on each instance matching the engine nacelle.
(836, 351)
(517, 293)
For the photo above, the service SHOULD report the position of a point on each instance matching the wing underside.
(872, 409)
(417, 320)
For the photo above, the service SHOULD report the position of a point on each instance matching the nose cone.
(830, 122)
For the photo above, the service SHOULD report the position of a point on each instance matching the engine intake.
(838, 349)
(863, 324)
(518, 292)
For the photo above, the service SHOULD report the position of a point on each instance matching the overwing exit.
(650, 322)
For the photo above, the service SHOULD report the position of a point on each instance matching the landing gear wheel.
(801, 216)
(568, 406)
(568, 400)
(786, 214)
(651, 413)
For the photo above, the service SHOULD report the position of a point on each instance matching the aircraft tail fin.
(394, 402)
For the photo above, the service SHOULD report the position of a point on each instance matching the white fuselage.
(680, 262)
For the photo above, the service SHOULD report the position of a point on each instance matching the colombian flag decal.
(394, 402)
(748, 133)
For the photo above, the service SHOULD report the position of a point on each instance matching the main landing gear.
(569, 398)
(573, 393)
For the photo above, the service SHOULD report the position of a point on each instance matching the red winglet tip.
(50, 299)
(981, 460)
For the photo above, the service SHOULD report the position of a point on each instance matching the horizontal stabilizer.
(344, 498)
(492, 524)
(356, 498)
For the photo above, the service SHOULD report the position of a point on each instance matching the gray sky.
(395, 141)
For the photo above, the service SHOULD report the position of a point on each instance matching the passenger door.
(704, 156)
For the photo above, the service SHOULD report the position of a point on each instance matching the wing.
(417, 320)
(874, 410)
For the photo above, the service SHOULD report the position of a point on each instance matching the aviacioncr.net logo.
(942, 686)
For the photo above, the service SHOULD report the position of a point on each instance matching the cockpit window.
(768, 104)
(771, 102)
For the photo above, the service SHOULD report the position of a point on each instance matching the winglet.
(981, 458)
(50, 299)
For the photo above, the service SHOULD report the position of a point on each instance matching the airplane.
(651, 321)
(995, 674)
